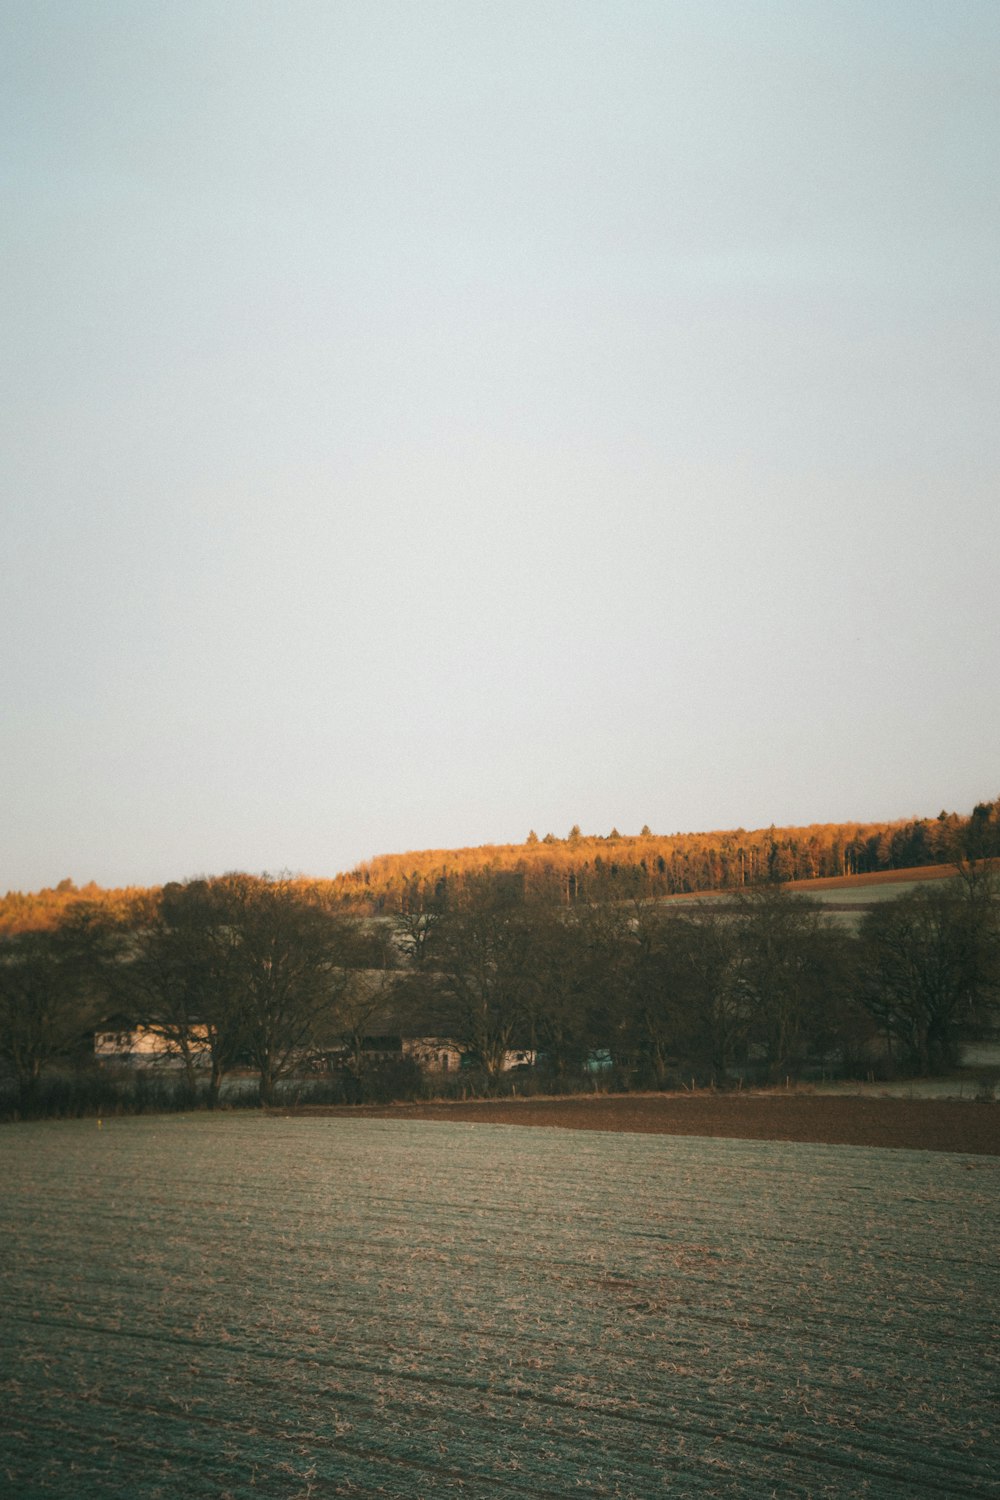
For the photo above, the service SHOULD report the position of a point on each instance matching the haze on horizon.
(427, 422)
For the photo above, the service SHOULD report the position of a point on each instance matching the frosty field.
(265, 1307)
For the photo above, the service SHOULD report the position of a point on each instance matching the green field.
(254, 1307)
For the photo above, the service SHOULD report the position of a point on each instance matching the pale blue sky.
(422, 422)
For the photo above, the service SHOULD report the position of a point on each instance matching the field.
(892, 882)
(917, 1117)
(256, 1306)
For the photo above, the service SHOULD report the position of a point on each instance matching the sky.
(424, 421)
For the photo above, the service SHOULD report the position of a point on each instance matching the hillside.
(613, 867)
(618, 867)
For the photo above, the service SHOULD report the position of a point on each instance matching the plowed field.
(918, 1124)
(245, 1306)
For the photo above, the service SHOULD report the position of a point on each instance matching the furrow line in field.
(676, 1327)
(685, 1417)
(489, 1304)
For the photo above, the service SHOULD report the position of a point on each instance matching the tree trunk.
(265, 1087)
(190, 1081)
(214, 1085)
(29, 1087)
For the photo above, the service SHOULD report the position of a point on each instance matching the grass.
(239, 1306)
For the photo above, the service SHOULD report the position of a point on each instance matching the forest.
(589, 868)
(268, 981)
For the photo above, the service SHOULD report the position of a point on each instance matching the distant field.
(263, 1307)
(890, 878)
(844, 899)
(851, 895)
(919, 1115)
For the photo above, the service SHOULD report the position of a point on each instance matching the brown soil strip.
(876, 877)
(913, 1124)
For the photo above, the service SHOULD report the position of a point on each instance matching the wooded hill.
(591, 868)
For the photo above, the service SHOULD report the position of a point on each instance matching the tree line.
(762, 981)
(583, 869)
(249, 974)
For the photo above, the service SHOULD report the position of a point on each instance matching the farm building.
(143, 1047)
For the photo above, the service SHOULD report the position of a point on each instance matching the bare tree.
(710, 1011)
(415, 931)
(244, 968)
(563, 987)
(360, 1005)
(173, 971)
(782, 971)
(287, 965)
(481, 952)
(47, 1004)
(932, 967)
